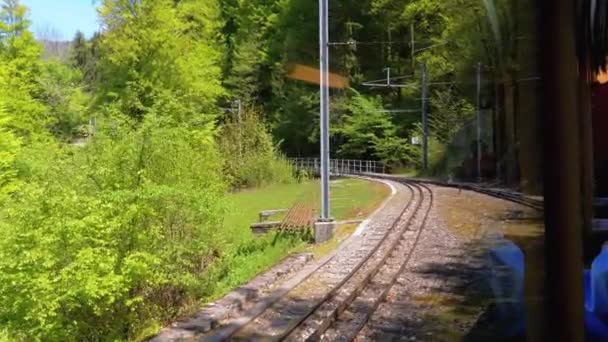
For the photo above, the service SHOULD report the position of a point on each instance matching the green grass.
(349, 199)
(355, 198)
(246, 205)
(250, 255)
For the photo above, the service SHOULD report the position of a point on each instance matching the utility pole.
(390, 44)
(479, 120)
(425, 128)
(388, 76)
(324, 122)
(413, 46)
(239, 107)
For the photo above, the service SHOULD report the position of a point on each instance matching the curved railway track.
(308, 310)
(493, 192)
(336, 301)
(345, 324)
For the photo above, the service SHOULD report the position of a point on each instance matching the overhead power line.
(387, 82)
(355, 42)
(396, 111)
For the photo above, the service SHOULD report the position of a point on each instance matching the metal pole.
(240, 128)
(425, 128)
(390, 44)
(479, 121)
(324, 88)
(388, 76)
(413, 46)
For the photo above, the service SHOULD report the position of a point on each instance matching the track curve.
(344, 324)
(336, 301)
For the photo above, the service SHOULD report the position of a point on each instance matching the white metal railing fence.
(339, 166)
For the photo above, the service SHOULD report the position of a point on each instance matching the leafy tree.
(161, 56)
(99, 237)
(368, 133)
(9, 149)
(20, 63)
(84, 56)
(64, 97)
(80, 53)
(448, 113)
(251, 159)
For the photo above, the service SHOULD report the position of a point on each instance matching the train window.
(413, 170)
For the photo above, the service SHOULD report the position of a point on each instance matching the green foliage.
(296, 121)
(369, 133)
(145, 68)
(64, 97)
(22, 116)
(106, 237)
(21, 112)
(84, 56)
(449, 113)
(80, 54)
(9, 149)
(251, 159)
(264, 38)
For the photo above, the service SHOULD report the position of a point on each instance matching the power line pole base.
(324, 230)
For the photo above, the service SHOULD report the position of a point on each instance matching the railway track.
(336, 300)
(493, 192)
(339, 286)
(345, 324)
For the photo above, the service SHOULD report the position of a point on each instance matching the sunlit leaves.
(97, 231)
(156, 51)
(369, 133)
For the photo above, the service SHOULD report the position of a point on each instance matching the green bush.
(101, 240)
(9, 149)
(251, 159)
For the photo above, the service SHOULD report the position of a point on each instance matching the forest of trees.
(109, 227)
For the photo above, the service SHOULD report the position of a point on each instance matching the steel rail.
(294, 323)
(397, 230)
(352, 332)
